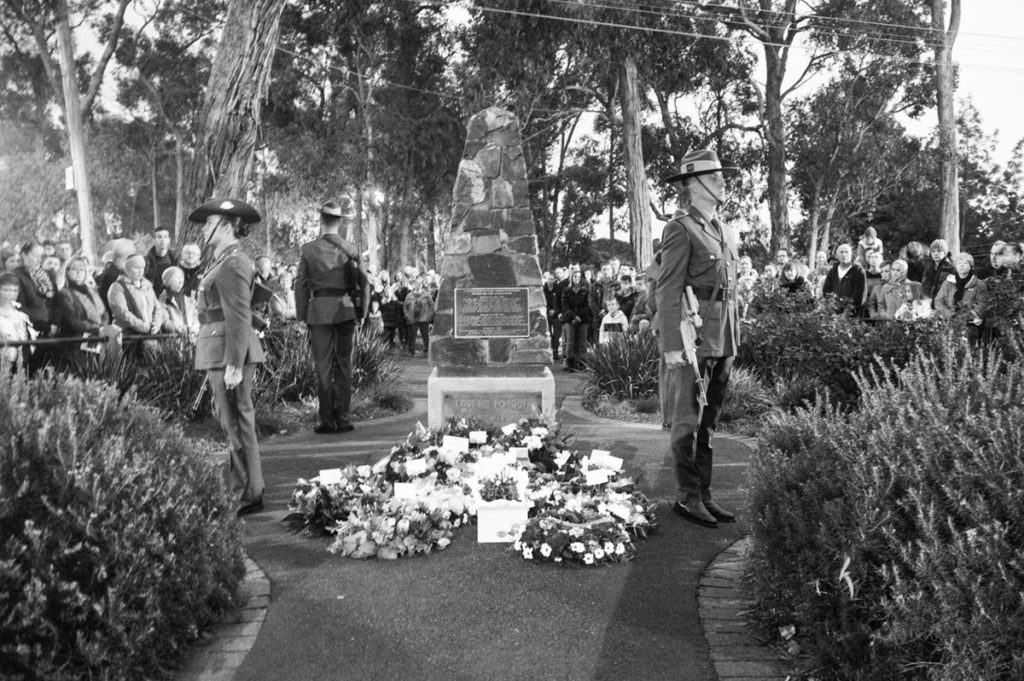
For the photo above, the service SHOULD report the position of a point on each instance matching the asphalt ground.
(478, 611)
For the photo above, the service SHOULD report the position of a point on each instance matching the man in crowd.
(552, 296)
(191, 266)
(993, 268)
(846, 280)
(781, 260)
(159, 258)
(690, 242)
(328, 282)
(64, 251)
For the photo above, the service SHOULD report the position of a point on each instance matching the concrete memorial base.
(498, 395)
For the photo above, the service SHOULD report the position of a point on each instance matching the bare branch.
(724, 128)
(97, 74)
(813, 63)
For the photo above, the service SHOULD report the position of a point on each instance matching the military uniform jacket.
(698, 253)
(322, 284)
(225, 291)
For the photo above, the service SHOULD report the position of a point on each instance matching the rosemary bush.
(119, 545)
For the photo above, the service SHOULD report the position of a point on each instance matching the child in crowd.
(869, 243)
(14, 324)
(614, 323)
(375, 318)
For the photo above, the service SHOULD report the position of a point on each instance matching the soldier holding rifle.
(699, 329)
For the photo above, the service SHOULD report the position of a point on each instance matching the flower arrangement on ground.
(584, 510)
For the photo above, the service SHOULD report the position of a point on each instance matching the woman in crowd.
(284, 299)
(576, 320)
(133, 303)
(961, 292)
(896, 294)
(180, 313)
(9, 260)
(37, 289)
(78, 309)
(794, 277)
(913, 254)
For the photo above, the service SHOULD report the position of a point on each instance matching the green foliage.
(791, 342)
(890, 536)
(119, 546)
(626, 367)
(746, 398)
(373, 363)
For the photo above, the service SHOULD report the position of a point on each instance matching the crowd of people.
(921, 281)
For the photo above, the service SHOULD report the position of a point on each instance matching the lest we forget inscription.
(492, 312)
(491, 406)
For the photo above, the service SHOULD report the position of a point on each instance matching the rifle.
(691, 321)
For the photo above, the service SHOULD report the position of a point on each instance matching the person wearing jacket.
(326, 294)
(78, 309)
(419, 313)
(228, 349)
(576, 318)
(887, 299)
(846, 280)
(937, 269)
(36, 288)
(961, 291)
(133, 302)
(552, 302)
(181, 316)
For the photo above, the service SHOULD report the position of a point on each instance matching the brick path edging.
(235, 636)
(735, 652)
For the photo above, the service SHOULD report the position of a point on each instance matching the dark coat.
(79, 310)
(33, 303)
(107, 277)
(850, 287)
(576, 303)
(935, 274)
(155, 266)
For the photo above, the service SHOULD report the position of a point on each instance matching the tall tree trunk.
(830, 214)
(230, 118)
(154, 189)
(179, 186)
(637, 195)
(815, 222)
(775, 134)
(76, 130)
(949, 156)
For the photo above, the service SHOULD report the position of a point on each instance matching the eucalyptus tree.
(48, 25)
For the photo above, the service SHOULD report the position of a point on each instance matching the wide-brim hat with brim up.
(342, 210)
(232, 208)
(699, 162)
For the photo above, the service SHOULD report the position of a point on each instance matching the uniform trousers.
(693, 427)
(237, 416)
(332, 354)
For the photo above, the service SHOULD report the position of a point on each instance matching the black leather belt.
(329, 293)
(211, 316)
(705, 293)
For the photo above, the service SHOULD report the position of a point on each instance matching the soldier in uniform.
(227, 347)
(331, 294)
(699, 252)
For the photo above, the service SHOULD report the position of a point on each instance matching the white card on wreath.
(478, 437)
(509, 429)
(598, 477)
(405, 490)
(330, 476)
(612, 462)
(415, 467)
(599, 455)
(519, 454)
(561, 458)
(364, 471)
(455, 444)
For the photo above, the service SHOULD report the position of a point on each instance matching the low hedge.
(891, 536)
(793, 342)
(119, 545)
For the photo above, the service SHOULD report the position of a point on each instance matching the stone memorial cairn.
(491, 251)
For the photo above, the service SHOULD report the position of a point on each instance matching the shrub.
(801, 344)
(626, 367)
(118, 541)
(373, 363)
(891, 536)
(746, 398)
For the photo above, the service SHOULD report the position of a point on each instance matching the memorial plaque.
(492, 312)
(492, 407)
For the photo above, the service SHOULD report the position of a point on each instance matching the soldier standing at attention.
(227, 347)
(329, 286)
(697, 251)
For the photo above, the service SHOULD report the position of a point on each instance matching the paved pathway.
(475, 611)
